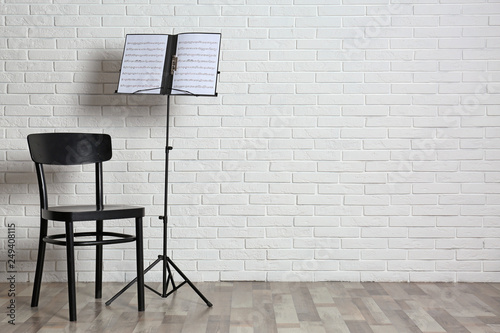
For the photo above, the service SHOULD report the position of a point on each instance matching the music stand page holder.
(182, 64)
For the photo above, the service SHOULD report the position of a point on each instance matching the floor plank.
(241, 307)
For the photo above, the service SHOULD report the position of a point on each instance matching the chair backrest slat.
(69, 148)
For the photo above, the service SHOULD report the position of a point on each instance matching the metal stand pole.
(167, 262)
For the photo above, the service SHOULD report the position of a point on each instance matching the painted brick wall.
(351, 139)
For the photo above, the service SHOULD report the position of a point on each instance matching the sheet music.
(197, 61)
(143, 63)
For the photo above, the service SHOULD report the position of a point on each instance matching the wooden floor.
(242, 307)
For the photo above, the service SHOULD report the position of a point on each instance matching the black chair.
(79, 149)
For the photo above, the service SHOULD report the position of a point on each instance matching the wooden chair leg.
(99, 259)
(140, 264)
(39, 264)
(70, 261)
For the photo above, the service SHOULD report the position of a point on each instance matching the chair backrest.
(69, 148)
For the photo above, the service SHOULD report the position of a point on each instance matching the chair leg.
(98, 258)
(39, 263)
(140, 264)
(70, 261)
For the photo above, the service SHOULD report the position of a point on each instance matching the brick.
(242, 233)
(286, 254)
(366, 155)
(363, 243)
(52, 55)
(275, 243)
(316, 178)
(267, 177)
(223, 21)
(271, 22)
(315, 221)
(246, 210)
(384, 255)
(33, 88)
(30, 43)
(393, 189)
(245, 10)
(120, 21)
(11, 9)
(14, 55)
(367, 200)
(46, 9)
(410, 265)
(272, 200)
(77, 21)
(336, 232)
(107, 10)
(415, 21)
(338, 211)
(422, 9)
(32, 20)
(92, 32)
(287, 210)
(52, 77)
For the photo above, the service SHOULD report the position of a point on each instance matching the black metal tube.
(70, 261)
(165, 201)
(139, 258)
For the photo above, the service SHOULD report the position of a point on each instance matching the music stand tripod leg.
(189, 282)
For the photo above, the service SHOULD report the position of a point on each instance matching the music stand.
(167, 86)
(167, 262)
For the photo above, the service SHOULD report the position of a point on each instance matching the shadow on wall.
(120, 115)
(101, 81)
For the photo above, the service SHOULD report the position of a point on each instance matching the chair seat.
(89, 212)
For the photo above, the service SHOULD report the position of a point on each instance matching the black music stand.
(183, 64)
(167, 262)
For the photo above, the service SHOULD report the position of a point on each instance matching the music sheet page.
(197, 61)
(143, 63)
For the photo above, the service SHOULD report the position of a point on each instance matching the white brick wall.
(351, 140)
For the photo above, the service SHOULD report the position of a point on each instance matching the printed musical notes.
(197, 61)
(183, 64)
(143, 63)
